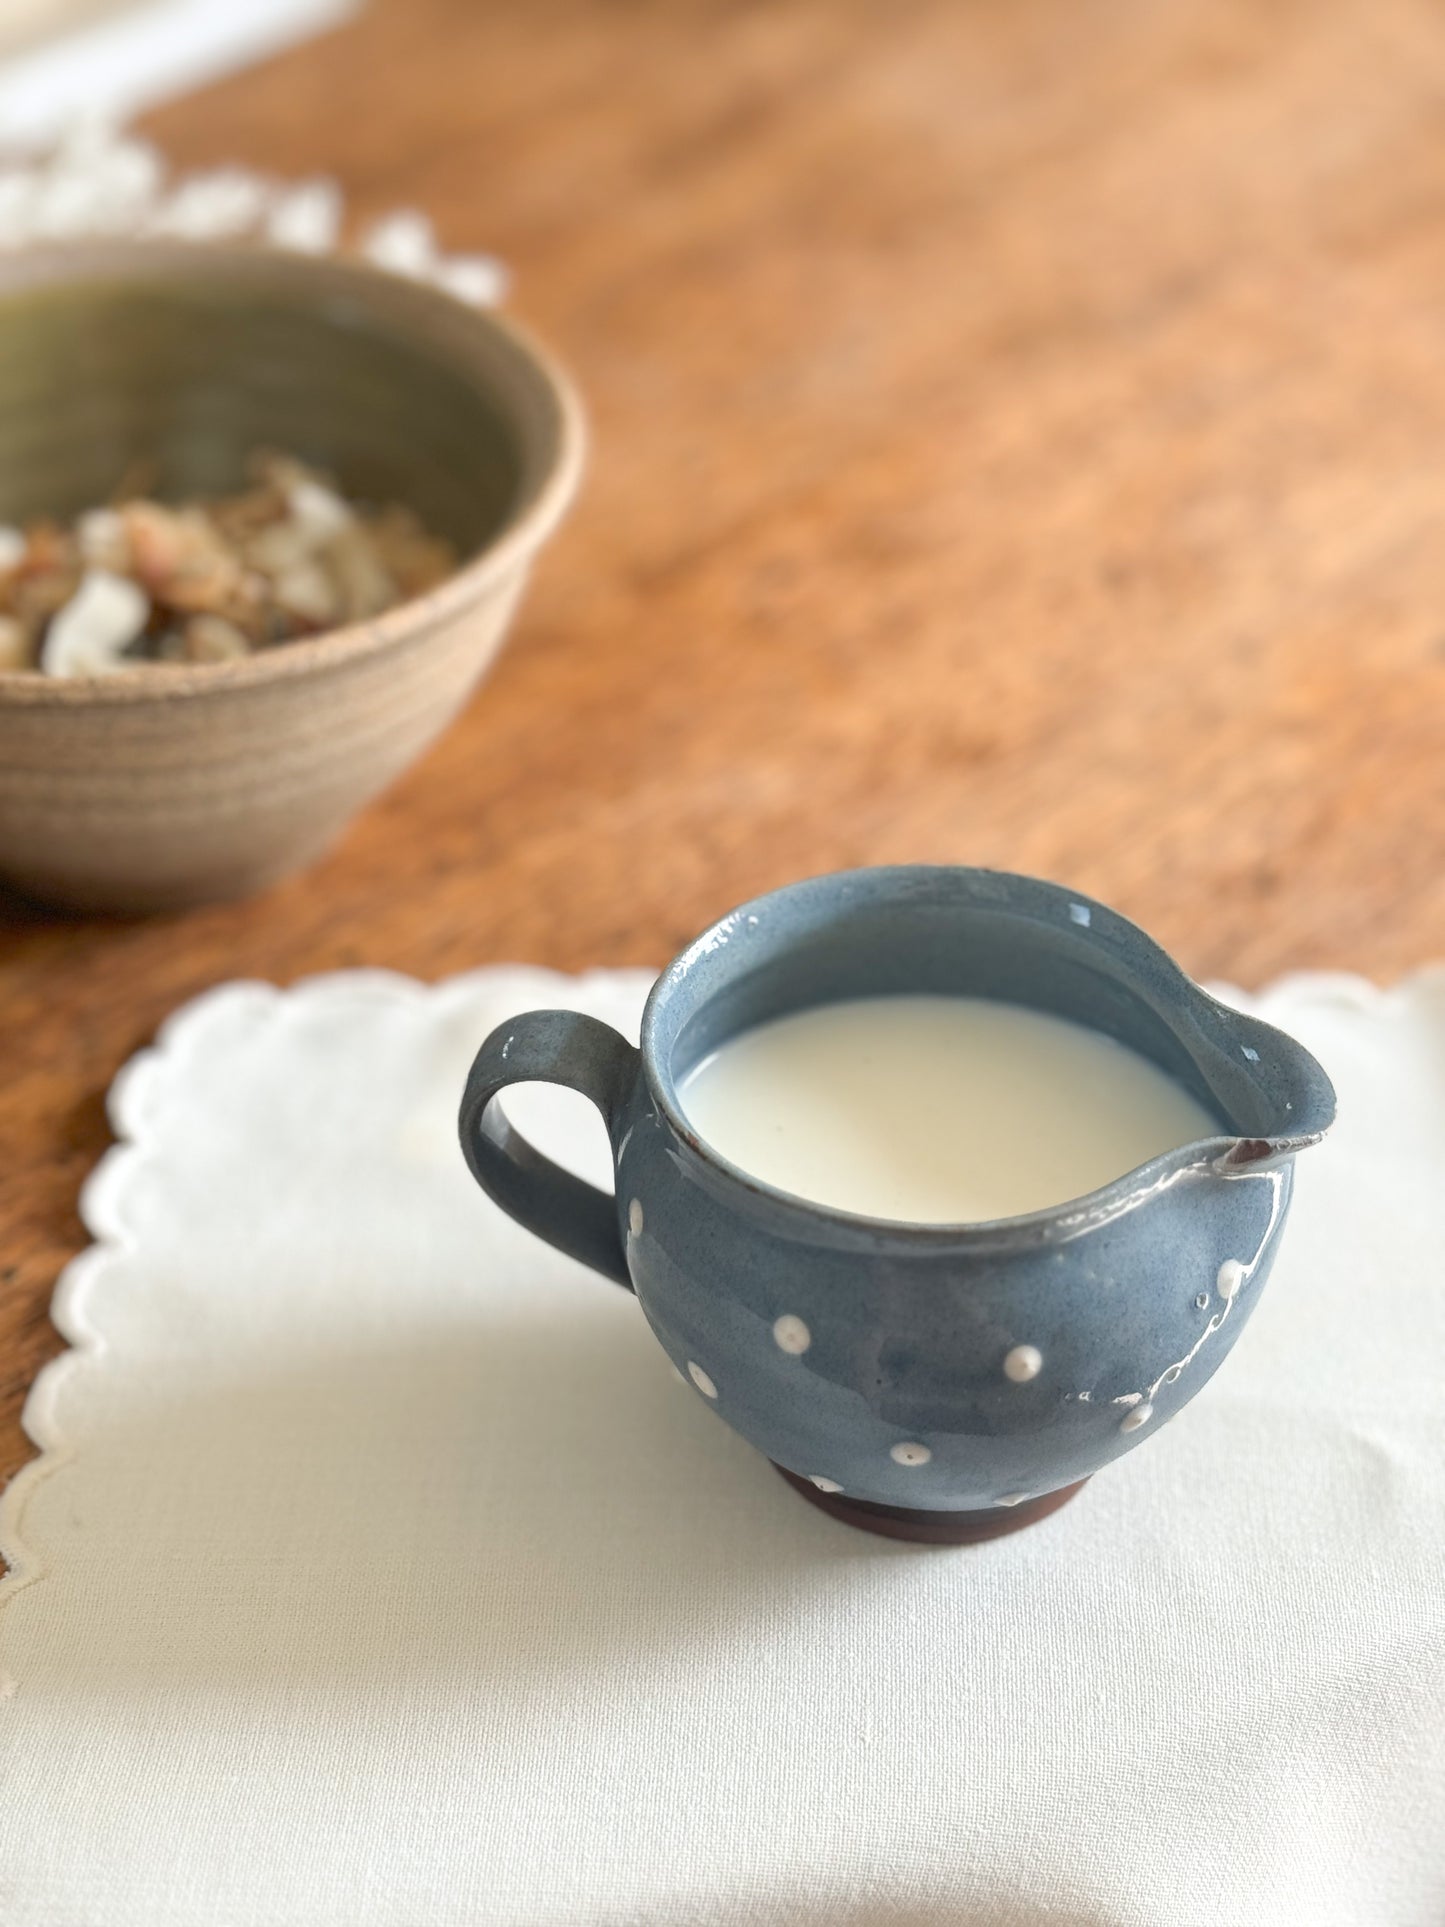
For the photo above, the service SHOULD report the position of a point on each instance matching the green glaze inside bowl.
(180, 371)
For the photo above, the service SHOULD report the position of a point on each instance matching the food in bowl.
(140, 581)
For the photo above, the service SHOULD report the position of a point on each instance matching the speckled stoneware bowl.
(174, 785)
(937, 1382)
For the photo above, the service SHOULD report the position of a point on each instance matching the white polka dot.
(791, 1334)
(910, 1453)
(1140, 1415)
(700, 1378)
(826, 1485)
(634, 1218)
(1231, 1277)
(1080, 913)
(1023, 1363)
(1011, 1498)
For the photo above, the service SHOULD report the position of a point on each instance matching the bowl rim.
(529, 524)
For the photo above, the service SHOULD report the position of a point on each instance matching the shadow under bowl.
(173, 785)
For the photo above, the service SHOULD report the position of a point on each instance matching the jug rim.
(1226, 1154)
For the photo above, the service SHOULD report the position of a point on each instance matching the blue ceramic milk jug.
(943, 1382)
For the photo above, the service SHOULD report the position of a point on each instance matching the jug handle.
(549, 1047)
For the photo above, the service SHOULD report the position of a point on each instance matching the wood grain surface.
(1019, 439)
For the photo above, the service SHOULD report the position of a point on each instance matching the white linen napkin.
(379, 1571)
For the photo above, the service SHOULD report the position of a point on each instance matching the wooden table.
(1020, 439)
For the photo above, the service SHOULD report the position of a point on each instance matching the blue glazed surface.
(886, 1377)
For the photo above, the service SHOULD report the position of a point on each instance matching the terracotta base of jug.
(932, 1528)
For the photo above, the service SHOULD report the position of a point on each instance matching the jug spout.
(1275, 1096)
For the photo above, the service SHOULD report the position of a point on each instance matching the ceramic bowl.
(177, 785)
